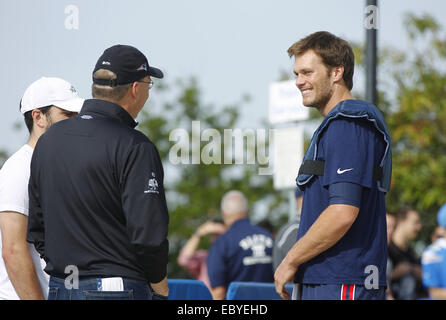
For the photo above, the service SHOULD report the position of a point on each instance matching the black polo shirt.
(96, 197)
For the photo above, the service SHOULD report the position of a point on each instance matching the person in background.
(268, 226)
(243, 252)
(434, 261)
(390, 222)
(406, 281)
(193, 259)
(438, 232)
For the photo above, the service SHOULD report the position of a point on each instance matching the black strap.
(317, 167)
(377, 173)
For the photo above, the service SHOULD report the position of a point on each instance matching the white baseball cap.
(51, 91)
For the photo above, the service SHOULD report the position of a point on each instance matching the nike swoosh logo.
(342, 171)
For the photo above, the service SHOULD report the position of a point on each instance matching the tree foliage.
(416, 116)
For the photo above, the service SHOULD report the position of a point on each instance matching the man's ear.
(134, 89)
(337, 73)
(39, 119)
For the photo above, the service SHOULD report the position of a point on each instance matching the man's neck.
(231, 220)
(337, 97)
(33, 138)
(123, 103)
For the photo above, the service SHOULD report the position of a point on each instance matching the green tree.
(194, 191)
(418, 123)
(412, 97)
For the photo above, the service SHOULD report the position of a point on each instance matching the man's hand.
(218, 293)
(327, 230)
(284, 274)
(210, 227)
(161, 288)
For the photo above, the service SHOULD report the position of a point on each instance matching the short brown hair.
(107, 92)
(333, 50)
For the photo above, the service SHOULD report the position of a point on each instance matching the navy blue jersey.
(351, 148)
(243, 253)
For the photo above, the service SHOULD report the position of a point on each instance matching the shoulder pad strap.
(315, 167)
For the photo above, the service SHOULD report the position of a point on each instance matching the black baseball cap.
(128, 63)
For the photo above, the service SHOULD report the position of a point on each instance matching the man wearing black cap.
(98, 214)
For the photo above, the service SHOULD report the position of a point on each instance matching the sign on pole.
(288, 154)
(285, 106)
(285, 103)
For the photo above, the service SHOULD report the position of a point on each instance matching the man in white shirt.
(45, 101)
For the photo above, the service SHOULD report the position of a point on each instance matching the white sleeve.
(14, 187)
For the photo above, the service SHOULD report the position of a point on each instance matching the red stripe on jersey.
(351, 293)
(344, 292)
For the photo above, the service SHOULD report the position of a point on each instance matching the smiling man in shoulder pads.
(345, 175)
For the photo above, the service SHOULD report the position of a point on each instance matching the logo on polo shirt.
(257, 243)
(152, 185)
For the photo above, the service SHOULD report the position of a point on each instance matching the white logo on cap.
(106, 62)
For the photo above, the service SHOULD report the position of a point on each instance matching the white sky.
(233, 47)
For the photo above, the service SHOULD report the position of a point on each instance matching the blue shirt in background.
(242, 253)
(434, 264)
